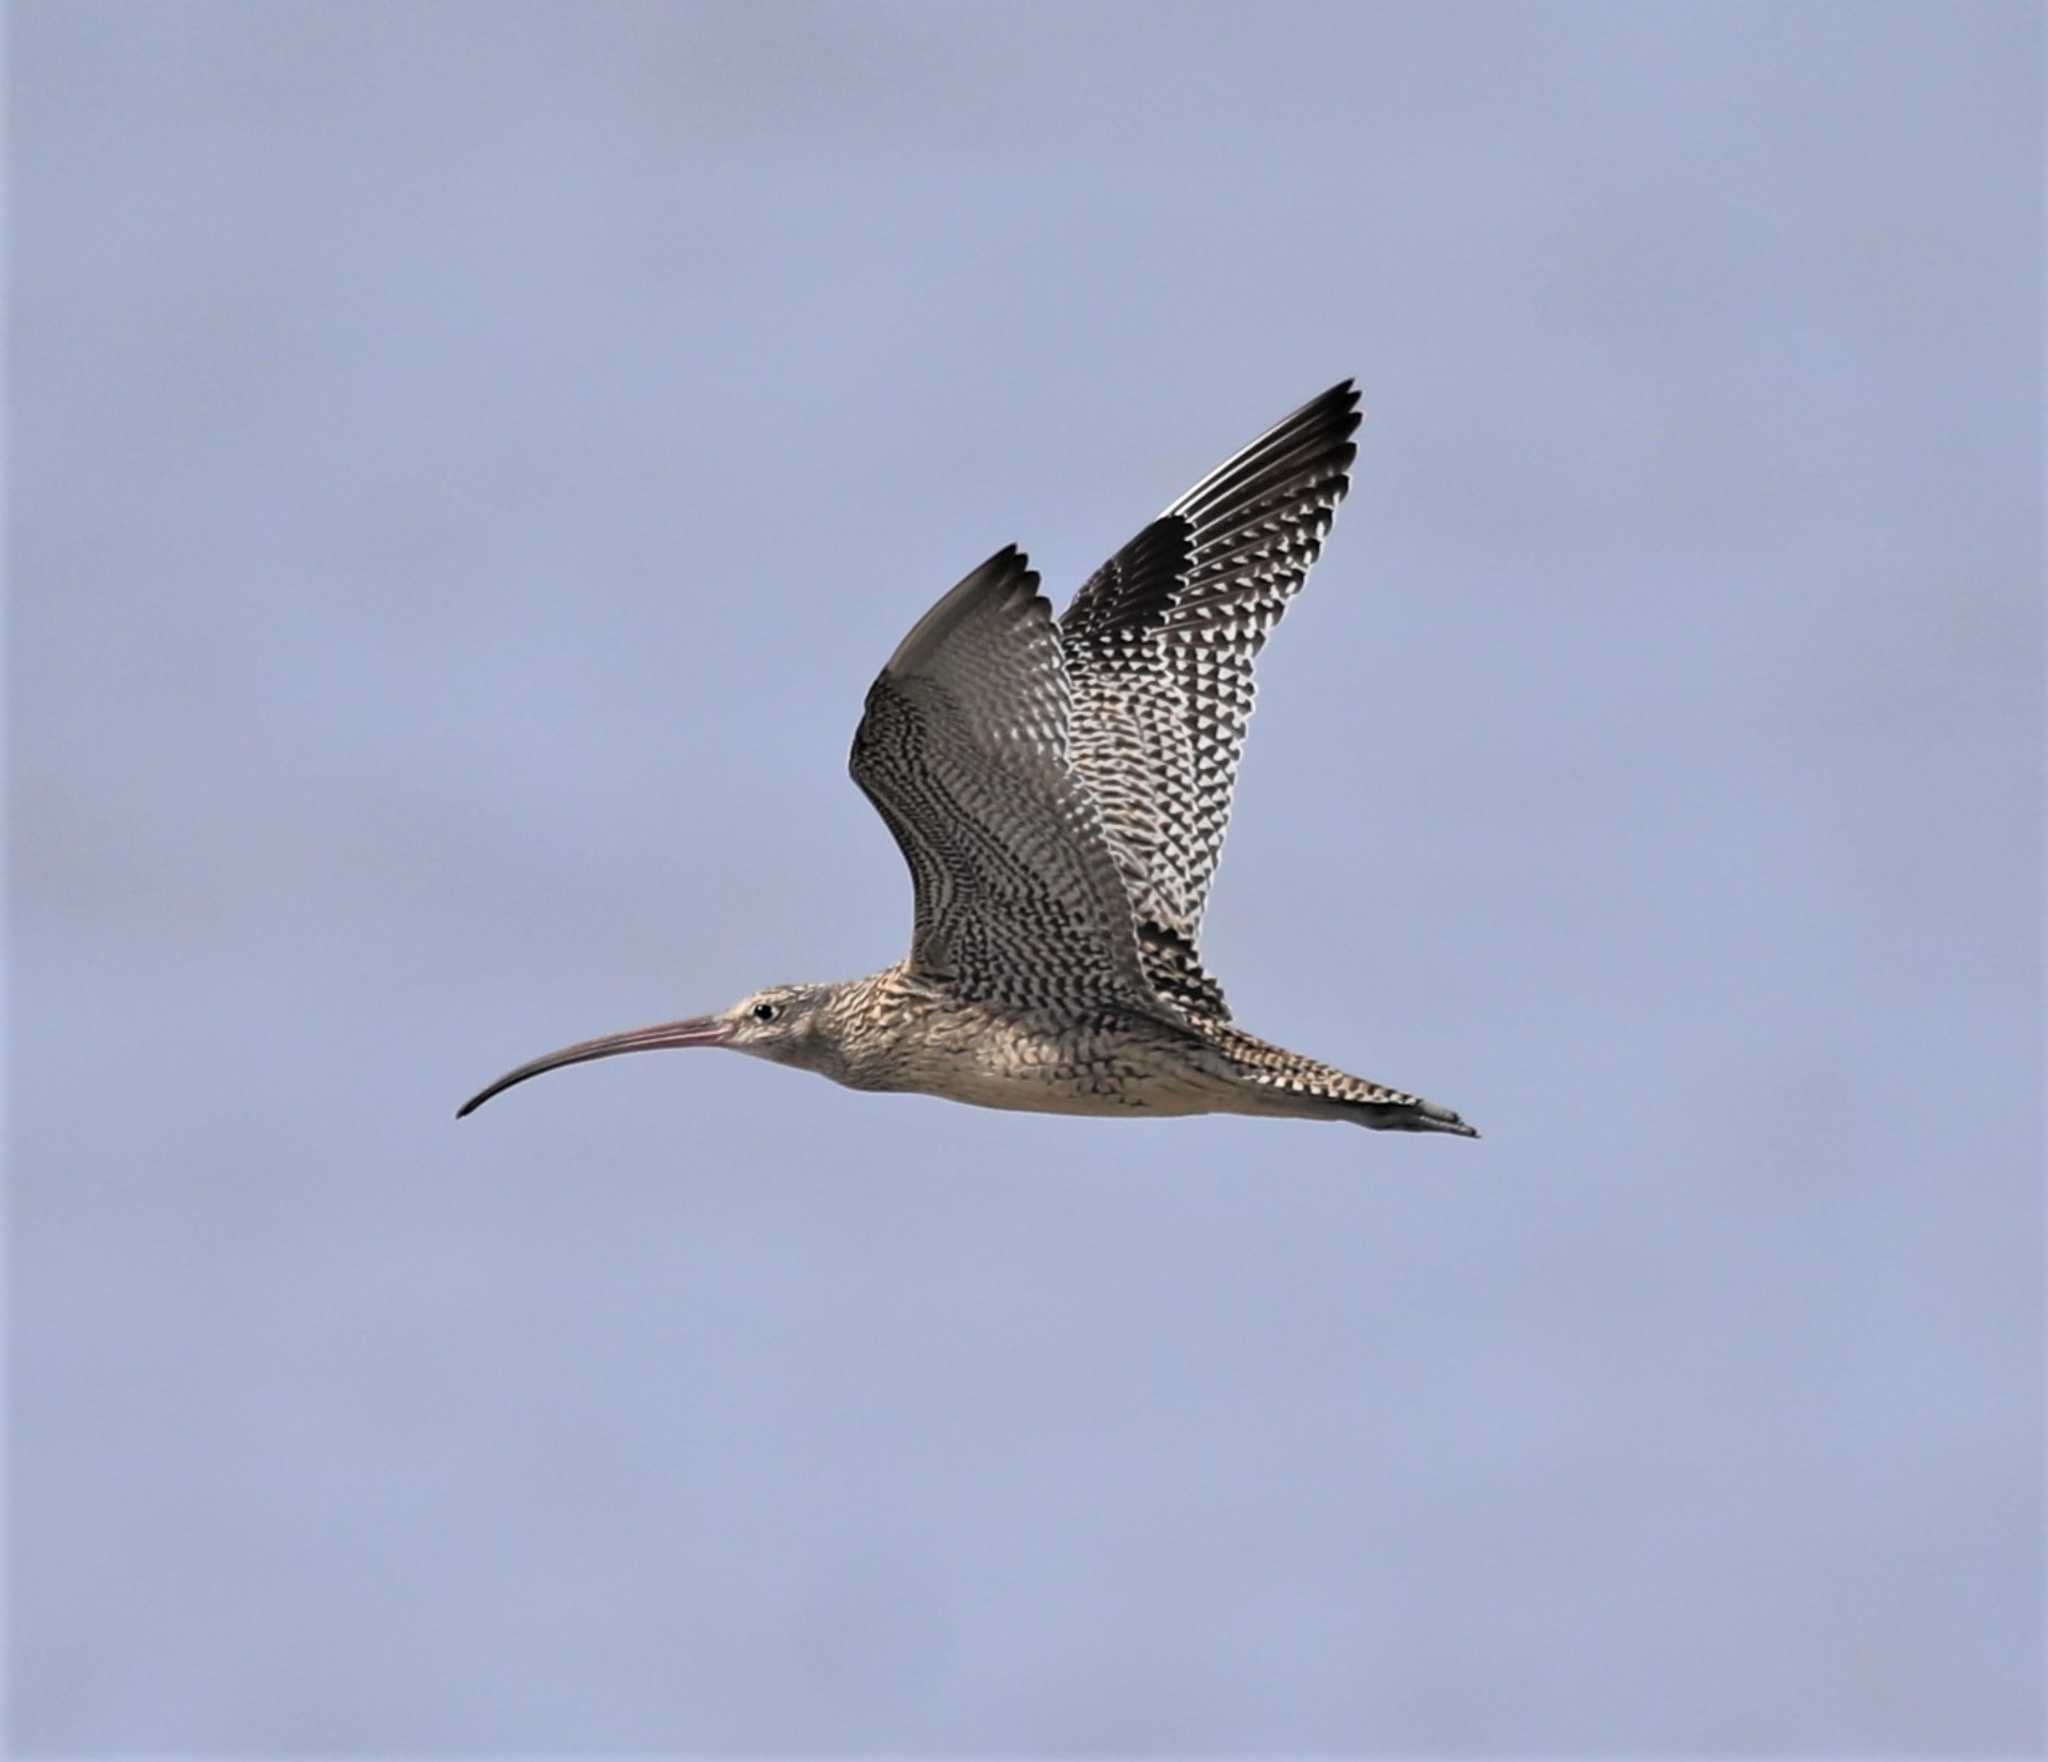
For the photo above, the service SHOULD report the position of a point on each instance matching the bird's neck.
(860, 1004)
(863, 1021)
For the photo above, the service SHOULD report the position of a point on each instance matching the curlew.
(1060, 791)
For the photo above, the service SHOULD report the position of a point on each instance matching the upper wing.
(1160, 644)
(964, 750)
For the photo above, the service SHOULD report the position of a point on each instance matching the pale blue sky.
(470, 460)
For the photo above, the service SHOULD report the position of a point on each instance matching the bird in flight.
(1060, 790)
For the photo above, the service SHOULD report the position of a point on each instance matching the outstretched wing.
(964, 750)
(1160, 644)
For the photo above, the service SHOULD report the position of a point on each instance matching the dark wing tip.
(1331, 415)
(1007, 577)
(1316, 437)
(1329, 409)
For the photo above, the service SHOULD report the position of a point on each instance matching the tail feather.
(1324, 1091)
(1418, 1116)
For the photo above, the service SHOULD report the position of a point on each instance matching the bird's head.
(784, 1023)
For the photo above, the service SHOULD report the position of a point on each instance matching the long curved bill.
(695, 1031)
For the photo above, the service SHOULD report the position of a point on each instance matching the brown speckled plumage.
(1060, 792)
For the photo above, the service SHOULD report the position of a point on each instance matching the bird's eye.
(765, 1012)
